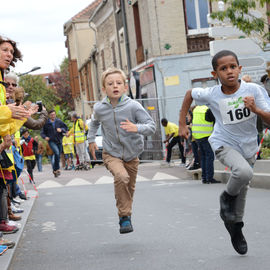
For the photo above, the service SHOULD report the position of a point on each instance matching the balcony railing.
(198, 43)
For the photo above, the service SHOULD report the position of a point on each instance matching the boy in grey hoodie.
(124, 122)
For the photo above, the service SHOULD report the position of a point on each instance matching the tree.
(36, 89)
(61, 83)
(242, 15)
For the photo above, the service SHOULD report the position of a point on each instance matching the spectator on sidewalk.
(28, 145)
(202, 127)
(195, 162)
(78, 131)
(11, 80)
(49, 154)
(172, 138)
(12, 118)
(53, 132)
(68, 149)
(39, 153)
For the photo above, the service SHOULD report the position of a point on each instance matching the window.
(196, 16)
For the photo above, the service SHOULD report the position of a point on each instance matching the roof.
(86, 12)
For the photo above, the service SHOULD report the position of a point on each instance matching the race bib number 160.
(233, 111)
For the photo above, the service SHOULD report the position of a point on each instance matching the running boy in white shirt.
(235, 105)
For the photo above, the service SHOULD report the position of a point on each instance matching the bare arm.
(168, 137)
(183, 128)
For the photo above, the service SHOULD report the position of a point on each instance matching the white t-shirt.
(235, 124)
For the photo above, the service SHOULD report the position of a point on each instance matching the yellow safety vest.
(10, 156)
(200, 127)
(68, 145)
(2, 92)
(79, 135)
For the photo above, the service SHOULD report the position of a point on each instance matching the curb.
(27, 205)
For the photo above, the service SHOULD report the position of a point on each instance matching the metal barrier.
(158, 108)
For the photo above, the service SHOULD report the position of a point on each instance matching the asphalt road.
(176, 225)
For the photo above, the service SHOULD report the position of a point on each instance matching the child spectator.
(123, 122)
(68, 149)
(28, 143)
(39, 153)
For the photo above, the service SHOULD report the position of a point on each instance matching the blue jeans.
(51, 159)
(194, 147)
(207, 159)
(39, 162)
(57, 150)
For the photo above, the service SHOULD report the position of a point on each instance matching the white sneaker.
(15, 209)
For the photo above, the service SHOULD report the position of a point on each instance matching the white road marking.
(78, 182)
(105, 180)
(49, 204)
(50, 184)
(163, 176)
(142, 179)
(48, 226)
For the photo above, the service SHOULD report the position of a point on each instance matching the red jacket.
(28, 148)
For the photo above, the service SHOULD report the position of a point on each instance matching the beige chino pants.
(125, 174)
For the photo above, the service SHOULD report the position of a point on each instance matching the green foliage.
(61, 82)
(37, 89)
(265, 153)
(239, 14)
(266, 142)
(63, 114)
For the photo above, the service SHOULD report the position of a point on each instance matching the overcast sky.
(37, 26)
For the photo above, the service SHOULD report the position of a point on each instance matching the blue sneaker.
(3, 249)
(125, 225)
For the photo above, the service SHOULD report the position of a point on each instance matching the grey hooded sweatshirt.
(116, 141)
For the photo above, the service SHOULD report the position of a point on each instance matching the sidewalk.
(261, 175)
(6, 258)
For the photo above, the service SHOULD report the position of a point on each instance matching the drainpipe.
(93, 55)
(79, 61)
(124, 18)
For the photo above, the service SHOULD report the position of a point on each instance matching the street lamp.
(33, 69)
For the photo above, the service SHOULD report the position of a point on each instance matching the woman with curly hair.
(12, 118)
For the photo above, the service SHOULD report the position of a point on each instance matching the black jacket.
(49, 131)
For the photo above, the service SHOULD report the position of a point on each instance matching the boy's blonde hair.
(110, 71)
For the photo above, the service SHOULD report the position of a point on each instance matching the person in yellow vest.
(68, 149)
(172, 138)
(78, 130)
(202, 128)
